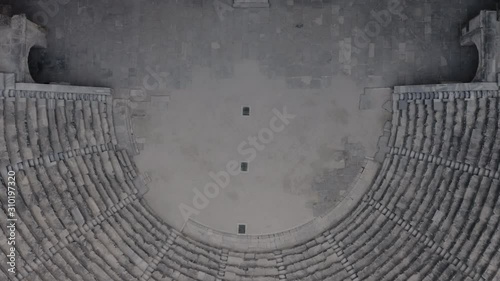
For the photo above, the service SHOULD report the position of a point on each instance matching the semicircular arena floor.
(303, 149)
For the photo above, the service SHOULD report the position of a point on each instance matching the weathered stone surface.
(18, 35)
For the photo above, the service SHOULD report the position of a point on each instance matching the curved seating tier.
(431, 213)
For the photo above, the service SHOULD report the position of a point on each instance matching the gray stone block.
(402, 105)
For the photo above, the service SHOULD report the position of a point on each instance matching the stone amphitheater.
(424, 206)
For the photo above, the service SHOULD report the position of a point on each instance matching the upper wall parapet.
(9, 88)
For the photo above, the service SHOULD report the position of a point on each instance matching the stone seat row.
(37, 127)
(195, 261)
(445, 94)
(187, 259)
(451, 205)
(399, 255)
(381, 250)
(33, 229)
(63, 199)
(461, 130)
(55, 95)
(38, 228)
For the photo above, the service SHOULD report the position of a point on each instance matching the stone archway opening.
(37, 64)
(471, 57)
